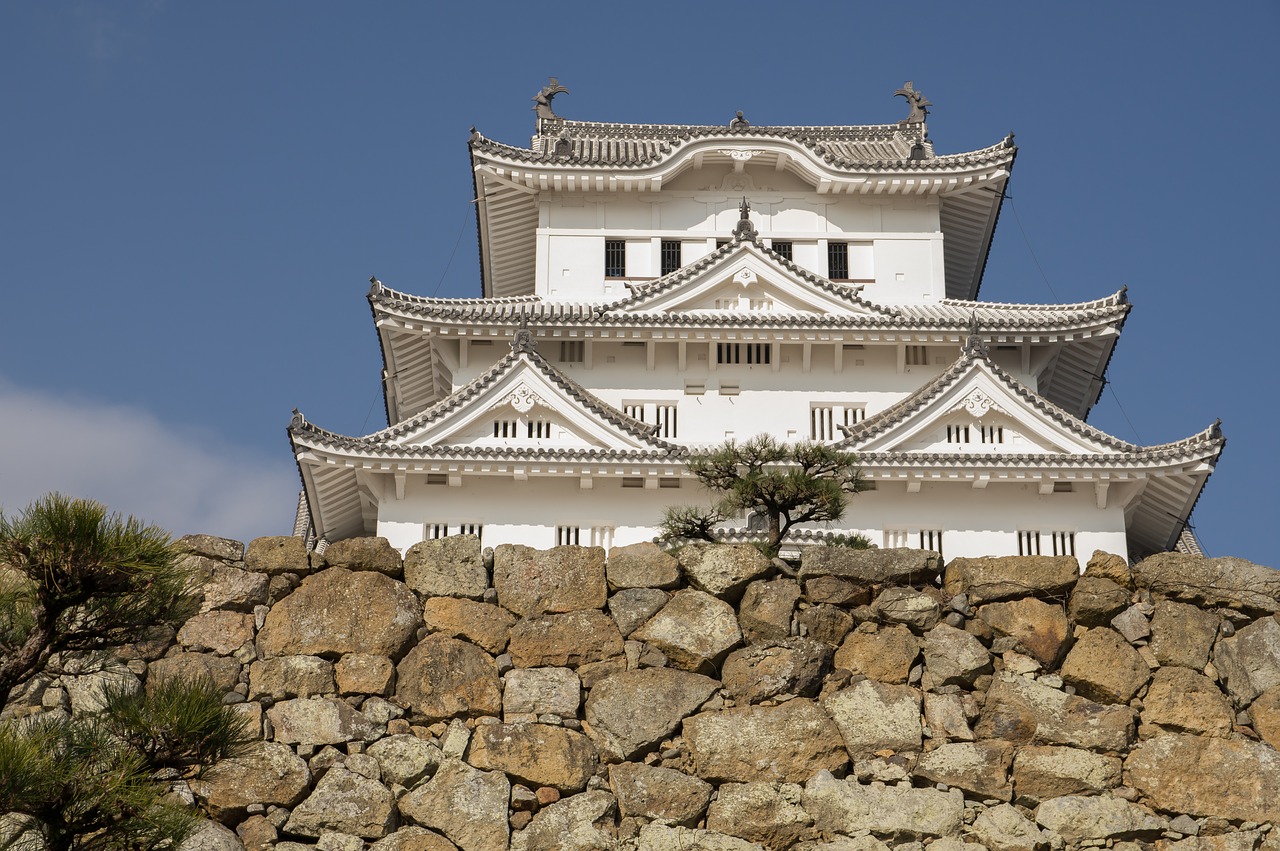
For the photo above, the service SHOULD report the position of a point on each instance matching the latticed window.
(992, 434)
(1028, 543)
(506, 428)
(437, 530)
(783, 249)
(931, 539)
(615, 258)
(670, 256)
(539, 429)
(568, 536)
(917, 355)
(661, 414)
(838, 261)
(957, 434)
(1064, 543)
(573, 351)
(602, 536)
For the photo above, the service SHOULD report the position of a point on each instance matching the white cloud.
(130, 460)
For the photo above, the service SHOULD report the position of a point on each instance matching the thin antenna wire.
(456, 243)
(1110, 386)
(369, 413)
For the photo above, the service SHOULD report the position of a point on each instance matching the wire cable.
(456, 243)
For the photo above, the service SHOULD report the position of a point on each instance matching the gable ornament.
(522, 398)
(979, 404)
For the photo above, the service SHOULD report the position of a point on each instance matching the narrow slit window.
(1064, 543)
(821, 422)
(615, 258)
(436, 531)
(838, 261)
(506, 428)
(728, 353)
(896, 539)
(573, 351)
(568, 536)
(957, 434)
(931, 539)
(759, 352)
(917, 356)
(992, 434)
(539, 429)
(1028, 543)
(670, 256)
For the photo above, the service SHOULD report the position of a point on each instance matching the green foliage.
(81, 580)
(854, 542)
(78, 581)
(177, 725)
(786, 483)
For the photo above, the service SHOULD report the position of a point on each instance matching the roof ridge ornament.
(739, 123)
(744, 229)
(523, 341)
(542, 100)
(375, 286)
(297, 421)
(976, 347)
(919, 106)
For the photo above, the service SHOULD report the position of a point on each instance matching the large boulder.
(569, 639)
(844, 806)
(722, 569)
(766, 608)
(953, 656)
(768, 813)
(1004, 828)
(1234, 779)
(1051, 771)
(631, 607)
(632, 711)
(210, 546)
(318, 721)
(278, 554)
(232, 588)
(223, 632)
(1098, 817)
(290, 676)
(1264, 713)
(694, 629)
(562, 579)
(270, 774)
(375, 554)
(785, 743)
(1024, 711)
(345, 802)
(871, 566)
(1180, 700)
(643, 565)
(442, 678)
(452, 566)
(541, 691)
(873, 717)
(1182, 634)
(1096, 600)
(583, 822)
(979, 768)
(1104, 667)
(661, 837)
(1249, 661)
(537, 754)
(222, 671)
(987, 580)
(467, 805)
(648, 791)
(405, 759)
(1040, 628)
(907, 606)
(1211, 582)
(885, 655)
(792, 666)
(341, 611)
(483, 624)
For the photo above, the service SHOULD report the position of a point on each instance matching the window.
(573, 351)
(539, 429)
(782, 248)
(838, 261)
(917, 355)
(602, 536)
(567, 536)
(1064, 543)
(533, 429)
(896, 539)
(668, 482)
(755, 353)
(615, 258)
(470, 529)
(505, 428)
(992, 434)
(1028, 543)
(727, 303)
(661, 414)
(670, 256)
(632, 481)
(854, 414)
(437, 478)
(1062, 487)
(721, 243)
(931, 539)
(825, 420)
(761, 304)
(437, 530)
(957, 434)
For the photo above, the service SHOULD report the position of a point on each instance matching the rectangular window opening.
(632, 482)
(436, 531)
(917, 355)
(992, 434)
(1063, 487)
(957, 434)
(931, 539)
(573, 351)
(838, 261)
(506, 428)
(1064, 543)
(567, 536)
(668, 482)
(437, 479)
(782, 248)
(670, 256)
(602, 536)
(615, 258)
(1028, 543)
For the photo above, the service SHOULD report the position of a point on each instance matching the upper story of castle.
(591, 210)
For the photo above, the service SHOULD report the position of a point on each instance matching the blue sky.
(194, 195)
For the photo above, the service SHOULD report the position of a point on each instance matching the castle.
(650, 290)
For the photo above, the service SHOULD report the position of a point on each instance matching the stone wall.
(717, 700)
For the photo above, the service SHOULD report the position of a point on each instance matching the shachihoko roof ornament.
(744, 229)
(919, 106)
(542, 100)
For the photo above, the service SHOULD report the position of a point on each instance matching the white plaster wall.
(904, 234)
(527, 512)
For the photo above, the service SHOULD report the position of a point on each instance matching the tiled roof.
(947, 314)
(974, 351)
(878, 146)
(386, 439)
